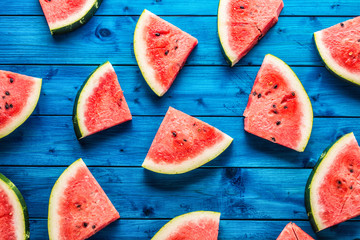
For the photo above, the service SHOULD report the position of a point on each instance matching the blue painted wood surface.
(256, 185)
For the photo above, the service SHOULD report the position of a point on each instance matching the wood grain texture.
(111, 38)
(200, 7)
(51, 141)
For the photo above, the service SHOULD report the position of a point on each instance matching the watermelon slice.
(198, 225)
(293, 232)
(78, 206)
(14, 220)
(184, 143)
(242, 23)
(161, 50)
(339, 48)
(64, 16)
(19, 96)
(279, 109)
(100, 103)
(332, 193)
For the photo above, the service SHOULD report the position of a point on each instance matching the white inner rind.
(140, 49)
(30, 105)
(306, 108)
(331, 63)
(88, 90)
(321, 171)
(56, 195)
(182, 220)
(18, 214)
(75, 17)
(207, 155)
(223, 31)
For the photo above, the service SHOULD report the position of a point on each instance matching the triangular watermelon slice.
(78, 206)
(161, 50)
(293, 232)
(100, 103)
(64, 16)
(200, 225)
(184, 143)
(332, 193)
(14, 217)
(279, 109)
(19, 95)
(241, 24)
(339, 48)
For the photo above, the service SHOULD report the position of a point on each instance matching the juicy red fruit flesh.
(7, 227)
(56, 10)
(195, 230)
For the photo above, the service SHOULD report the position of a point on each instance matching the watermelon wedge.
(293, 232)
(19, 96)
(241, 24)
(184, 143)
(100, 103)
(78, 206)
(339, 48)
(14, 220)
(279, 109)
(332, 193)
(64, 16)
(161, 50)
(198, 225)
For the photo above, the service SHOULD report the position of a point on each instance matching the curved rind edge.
(26, 116)
(178, 170)
(78, 23)
(22, 203)
(180, 217)
(75, 120)
(308, 207)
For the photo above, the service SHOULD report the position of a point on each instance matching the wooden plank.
(229, 230)
(200, 7)
(27, 41)
(196, 91)
(238, 193)
(51, 141)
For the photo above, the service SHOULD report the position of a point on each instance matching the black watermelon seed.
(7, 93)
(359, 40)
(293, 93)
(78, 205)
(254, 93)
(278, 123)
(194, 124)
(185, 140)
(93, 226)
(6, 105)
(166, 52)
(351, 170)
(242, 7)
(276, 112)
(273, 139)
(275, 87)
(339, 182)
(259, 95)
(286, 107)
(85, 224)
(11, 106)
(12, 80)
(351, 187)
(176, 47)
(274, 106)
(174, 134)
(157, 34)
(3, 97)
(341, 24)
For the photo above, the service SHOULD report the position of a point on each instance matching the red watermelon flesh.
(7, 226)
(242, 23)
(183, 143)
(78, 205)
(279, 109)
(161, 50)
(293, 232)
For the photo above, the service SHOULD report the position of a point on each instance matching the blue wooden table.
(257, 186)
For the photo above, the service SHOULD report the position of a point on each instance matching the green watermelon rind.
(58, 184)
(331, 65)
(168, 228)
(316, 224)
(76, 120)
(21, 201)
(27, 114)
(81, 20)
